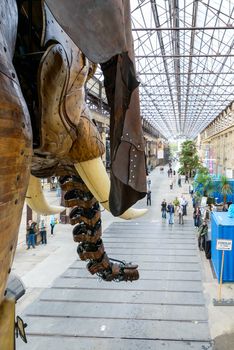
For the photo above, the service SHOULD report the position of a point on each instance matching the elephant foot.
(86, 215)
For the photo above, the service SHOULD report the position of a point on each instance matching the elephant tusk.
(94, 175)
(36, 200)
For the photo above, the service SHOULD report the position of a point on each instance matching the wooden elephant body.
(49, 49)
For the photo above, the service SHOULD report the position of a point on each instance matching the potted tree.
(204, 183)
(189, 160)
(225, 188)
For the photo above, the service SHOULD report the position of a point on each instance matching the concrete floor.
(53, 271)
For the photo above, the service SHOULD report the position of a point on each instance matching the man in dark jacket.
(164, 209)
(202, 233)
(31, 233)
(171, 211)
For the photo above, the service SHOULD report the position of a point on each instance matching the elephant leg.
(7, 324)
(16, 151)
(86, 216)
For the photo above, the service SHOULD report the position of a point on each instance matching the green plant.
(204, 184)
(197, 197)
(202, 169)
(225, 188)
(189, 159)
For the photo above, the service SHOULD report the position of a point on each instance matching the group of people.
(173, 179)
(170, 172)
(179, 206)
(33, 228)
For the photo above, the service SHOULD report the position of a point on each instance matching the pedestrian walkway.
(165, 309)
(67, 308)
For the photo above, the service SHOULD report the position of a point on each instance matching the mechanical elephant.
(49, 49)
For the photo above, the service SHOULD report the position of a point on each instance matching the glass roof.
(184, 61)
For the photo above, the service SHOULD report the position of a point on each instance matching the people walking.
(31, 233)
(148, 183)
(52, 224)
(179, 181)
(42, 230)
(197, 217)
(171, 184)
(180, 214)
(149, 197)
(171, 211)
(202, 234)
(164, 209)
(186, 179)
(184, 204)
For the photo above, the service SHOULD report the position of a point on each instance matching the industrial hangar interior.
(117, 133)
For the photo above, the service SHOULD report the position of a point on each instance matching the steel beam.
(191, 73)
(174, 86)
(181, 28)
(183, 56)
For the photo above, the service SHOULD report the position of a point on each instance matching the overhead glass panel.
(184, 61)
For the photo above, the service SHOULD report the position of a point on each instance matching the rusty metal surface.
(128, 171)
(96, 27)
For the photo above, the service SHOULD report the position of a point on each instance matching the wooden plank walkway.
(163, 310)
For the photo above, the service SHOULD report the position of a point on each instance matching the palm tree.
(225, 188)
(204, 183)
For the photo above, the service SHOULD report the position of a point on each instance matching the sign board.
(229, 173)
(160, 147)
(160, 154)
(203, 201)
(224, 244)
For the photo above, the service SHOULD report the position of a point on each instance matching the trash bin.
(222, 227)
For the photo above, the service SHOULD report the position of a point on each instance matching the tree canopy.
(189, 159)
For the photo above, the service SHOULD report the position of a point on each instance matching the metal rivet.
(130, 180)
(127, 134)
(134, 166)
(135, 155)
(138, 146)
(133, 176)
(131, 160)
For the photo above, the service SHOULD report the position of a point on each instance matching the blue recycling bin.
(222, 227)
